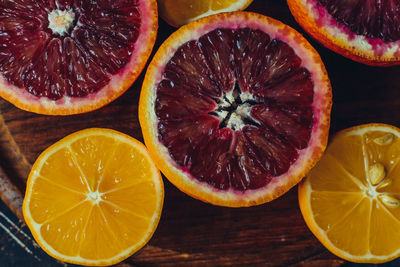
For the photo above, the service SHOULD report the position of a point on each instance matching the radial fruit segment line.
(365, 31)
(72, 56)
(241, 105)
(93, 198)
(350, 199)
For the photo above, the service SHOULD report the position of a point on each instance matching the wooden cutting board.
(192, 233)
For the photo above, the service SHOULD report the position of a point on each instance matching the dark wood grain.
(11, 157)
(11, 195)
(192, 233)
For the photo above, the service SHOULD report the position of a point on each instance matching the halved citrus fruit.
(351, 198)
(93, 198)
(65, 57)
(235, 108)
(181, 12)
(365, 31)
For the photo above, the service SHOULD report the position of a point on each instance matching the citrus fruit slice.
(235, 108)
(93, 198)
(181, 12)
(365, 31)
(65, 57)
(351, 198)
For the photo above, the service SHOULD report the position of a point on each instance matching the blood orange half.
(235, 108)
(365, 31)
(64, 57)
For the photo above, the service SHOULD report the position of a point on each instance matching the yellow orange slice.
(351, 199)
(181, 12)
(93, 198)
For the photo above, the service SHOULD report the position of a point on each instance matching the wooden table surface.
(192, 233)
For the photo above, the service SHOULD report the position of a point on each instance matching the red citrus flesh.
(195, 112)
(373, 19)
(236, 107)
(365, 31)
(98, 50)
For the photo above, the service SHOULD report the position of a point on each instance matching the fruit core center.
(233, 109)
(370, 192)
(60, 21)
(94, 197)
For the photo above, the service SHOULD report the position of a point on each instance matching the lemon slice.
(351, 199)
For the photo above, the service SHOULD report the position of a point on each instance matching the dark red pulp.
(98, 44)
(195, 114)
(370, 18)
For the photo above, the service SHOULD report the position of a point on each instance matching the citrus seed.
(376, 173)
(384, 140)
(389, 201)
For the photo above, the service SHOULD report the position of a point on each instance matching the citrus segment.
(374, 21)
(93, 198)
(54, 205)
(325, 207)
(180, 12)
(364, 31)
(115, 176)
(99, 236)
(69, 175)
(351, 198)
(332, 176)
(386, 228)
(91, 156)
(64, 231)
(222, 4)
(351, 158)
(66, 57)
(350, 226)
(235, 108)
(394, 185)
(141, 194)
(116, 215)
(382, 148)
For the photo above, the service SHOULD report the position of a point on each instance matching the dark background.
(192, 233)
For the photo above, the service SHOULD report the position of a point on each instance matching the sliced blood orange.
(365, 31)
(235, 108)
(67, 57)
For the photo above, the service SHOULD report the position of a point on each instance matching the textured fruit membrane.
(345, 202)
(370, 18)
(235, 108)
(97, 43)
(94, 198)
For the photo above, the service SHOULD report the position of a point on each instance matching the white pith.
(334, 30)
(366, 191)
(93, 196)
(60, 21)
(148, 118)
(236, 120)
